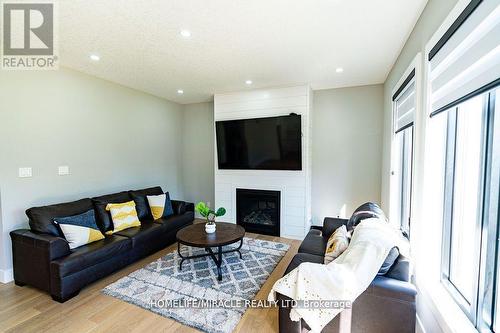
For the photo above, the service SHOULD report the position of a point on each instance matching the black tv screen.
(262, 143)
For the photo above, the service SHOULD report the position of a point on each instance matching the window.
(464, 74)
(491, 317)
(404, 110)
(464, 172)
(403, 171)
(469, 213)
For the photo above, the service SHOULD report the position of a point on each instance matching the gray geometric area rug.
(162, 288)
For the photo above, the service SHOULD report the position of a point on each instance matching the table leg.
(180, 255)
(216, 257)
(239, 247)
(219, 263)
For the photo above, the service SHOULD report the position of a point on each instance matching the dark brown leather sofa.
(43, 259)
(387, 306)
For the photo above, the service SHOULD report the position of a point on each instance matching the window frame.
(411, 75)
(407, 133)
(481, 311)
(489, 298)
(429, 191)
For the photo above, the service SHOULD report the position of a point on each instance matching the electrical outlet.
(208, 203)
(63, 170)
(25, 172)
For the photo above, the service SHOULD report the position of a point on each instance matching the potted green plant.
(209, 215)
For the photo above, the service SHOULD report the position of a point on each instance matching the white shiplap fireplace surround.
(295, 186)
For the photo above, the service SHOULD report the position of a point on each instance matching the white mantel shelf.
(295, 186)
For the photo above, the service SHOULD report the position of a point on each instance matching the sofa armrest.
(52, 246)
(370, 310)
(388, 305)
(330, 224)
(32, 254)
(391, 288)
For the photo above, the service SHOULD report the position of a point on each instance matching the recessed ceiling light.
(339, 70)
(180, 91)
(95, 57)
(249, 82)
(185, 33)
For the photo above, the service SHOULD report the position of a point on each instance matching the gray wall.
(346, 149)
(431, 18)
(113, 138)
(198, 152)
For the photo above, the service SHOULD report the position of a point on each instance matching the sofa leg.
(65, 298)
(19, 283)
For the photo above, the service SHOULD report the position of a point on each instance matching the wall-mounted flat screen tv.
(273, 143)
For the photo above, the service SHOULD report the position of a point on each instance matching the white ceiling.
(271, 42)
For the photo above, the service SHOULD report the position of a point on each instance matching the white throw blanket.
(345, 278)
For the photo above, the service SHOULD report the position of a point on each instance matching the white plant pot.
(209, 228)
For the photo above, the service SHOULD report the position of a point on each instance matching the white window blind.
(469, 60)
(405, 106)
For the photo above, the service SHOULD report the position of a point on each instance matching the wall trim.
(420, 327)
(6, 275)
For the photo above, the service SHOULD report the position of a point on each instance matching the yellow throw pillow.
(160, 205)
(337, 244)
(123, 215)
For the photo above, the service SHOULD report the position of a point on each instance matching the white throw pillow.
(337, 243)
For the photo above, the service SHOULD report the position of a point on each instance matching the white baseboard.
(6, 275)
(420, 327)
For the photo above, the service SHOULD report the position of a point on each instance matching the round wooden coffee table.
(195, 235)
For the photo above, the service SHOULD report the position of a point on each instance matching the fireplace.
(258, 211)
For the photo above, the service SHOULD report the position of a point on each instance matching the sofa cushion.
(103, 216)
(400, 270)
(160, 205)
(144, 233)
(175, 222)
(314, 243)
(303, 257)
(337, 244)
(142, 205)
(179, 207)
(392, 256)
(90, 255)
(41, 219)
(79, 229)
(123, 215)
(330, 224)
(365, 211)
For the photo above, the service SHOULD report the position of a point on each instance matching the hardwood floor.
(25, 309)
